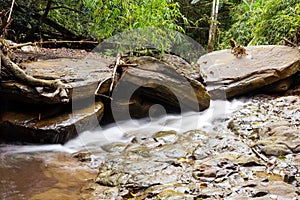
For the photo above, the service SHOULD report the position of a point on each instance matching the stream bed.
(241, 148)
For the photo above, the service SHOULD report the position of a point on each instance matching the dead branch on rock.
(237, 50)
(118, 62)
(288, 42)
(261, 156)
(4, 23)
(99, 87)
(58, 86)
(52, 42)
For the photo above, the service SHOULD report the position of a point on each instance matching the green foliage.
(249, 22)
(72, 14)
(90, 18)
(262, 22)
(199, 17)
(151, 41)
(28, 19)
(111, 17)
(282, 157)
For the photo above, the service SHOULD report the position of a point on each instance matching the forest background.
(209, 22)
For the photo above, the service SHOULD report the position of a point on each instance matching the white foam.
(123, 131)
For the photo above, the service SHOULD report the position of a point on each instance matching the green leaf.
(282, 157)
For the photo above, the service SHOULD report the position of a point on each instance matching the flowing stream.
(50, 171)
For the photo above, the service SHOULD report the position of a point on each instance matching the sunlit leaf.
(282, 157)
(195, 1)
(132, 194)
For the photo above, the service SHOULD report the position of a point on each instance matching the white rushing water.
(124, 131)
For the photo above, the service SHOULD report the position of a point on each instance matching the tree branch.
(44, 16)
(60, 7)
(10, 11)
(66, 33)
(52, 42)
(289, 42)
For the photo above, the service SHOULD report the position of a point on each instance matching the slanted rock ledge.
(227, 76)
(29, 115)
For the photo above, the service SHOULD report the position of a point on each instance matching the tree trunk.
(213, 26)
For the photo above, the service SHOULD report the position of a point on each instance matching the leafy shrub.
(262, 22)
(111, 17)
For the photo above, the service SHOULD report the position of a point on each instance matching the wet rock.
(270, 149)
(219, 165)
(296, 159)
(35, 127)
(165, 137)
(153, 171)
(114, 147)
(93, 191)
(174, 86)
(273, 125)
(141, 173)
(282, 140)
(227, 76)
(279, 86)
(216, 145)
(176, 152)
(172, 82)
(206, 171)
(227, 174)
(280, 190)
(83, 156)
(274, 121)
(171, 194)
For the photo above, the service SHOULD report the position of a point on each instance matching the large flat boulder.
(227, 76)
(83, 75)
(29, 115)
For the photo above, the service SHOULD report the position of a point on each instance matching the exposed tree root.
(58, 86)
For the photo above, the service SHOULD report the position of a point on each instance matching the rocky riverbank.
(106, 89)
(254, 155)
